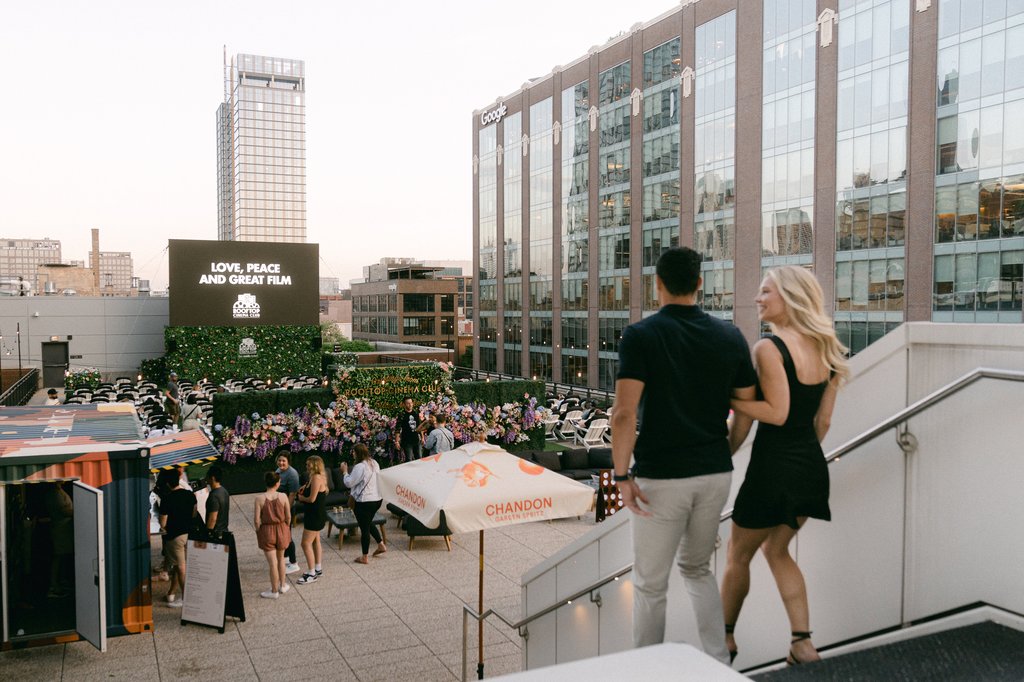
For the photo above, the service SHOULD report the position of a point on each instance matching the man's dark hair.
(408, 397)
(283, 451)
(679, 269)
(215, 472)
(441, 417)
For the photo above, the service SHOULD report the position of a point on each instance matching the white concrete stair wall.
(959, 496)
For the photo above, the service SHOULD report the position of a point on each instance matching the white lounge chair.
(594, 437)
(565, 430)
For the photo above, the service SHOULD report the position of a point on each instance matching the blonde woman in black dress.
(800, 368)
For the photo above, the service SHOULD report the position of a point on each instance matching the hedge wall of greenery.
(354, 346)
(228, 406)
(155, 370)
(330, 362)
(213, 352)
(497, 392)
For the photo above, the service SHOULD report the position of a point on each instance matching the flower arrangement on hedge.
(334, 429)
(349, 421)
(81, 377)
(507, 424)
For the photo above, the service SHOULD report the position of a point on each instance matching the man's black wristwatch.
(621, 479)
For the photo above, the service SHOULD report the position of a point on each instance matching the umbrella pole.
(480, 623)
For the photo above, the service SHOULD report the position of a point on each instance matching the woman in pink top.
(272, 521)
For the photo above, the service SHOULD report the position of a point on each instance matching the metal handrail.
(847, 447)
(21, 390)
(468, 611)
(923, 404)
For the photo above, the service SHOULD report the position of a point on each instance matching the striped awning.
(184, 447)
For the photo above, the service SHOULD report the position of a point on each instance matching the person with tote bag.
(362, 483)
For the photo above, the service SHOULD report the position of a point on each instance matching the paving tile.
(379, 640)
(340, 624)
(335, 671)
(407, 586)
(447, 642)
(453, 659)
(185, 664)
(281, 633)
(36, 663)
(269, 659)
(421, 670)
(117, 647)
(376, 659)
(131, 674)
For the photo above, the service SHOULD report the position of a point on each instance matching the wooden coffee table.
(344, 520)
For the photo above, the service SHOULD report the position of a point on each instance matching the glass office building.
(261, 150)
(875, 142)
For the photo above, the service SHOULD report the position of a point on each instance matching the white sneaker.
(269, 594)
(290, 568)
(174, 602)
(285, 587)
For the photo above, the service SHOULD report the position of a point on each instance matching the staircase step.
(984, 651)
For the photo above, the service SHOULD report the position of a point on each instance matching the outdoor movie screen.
(230, 284)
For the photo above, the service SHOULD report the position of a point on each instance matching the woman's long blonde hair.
(805, 309)
(315, 464)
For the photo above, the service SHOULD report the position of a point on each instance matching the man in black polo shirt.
(678, 369)
(410, 427)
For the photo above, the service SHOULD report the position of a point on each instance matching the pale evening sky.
(108, 114)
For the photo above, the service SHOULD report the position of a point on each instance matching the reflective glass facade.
(261, 151)
(541, 156)
(487, 257)
(871, 169)
(615, 199)
(511, 159)
(575, 200)
(817, 143)
(714, 162)
(979, 184)
(660, 171)
(787, 133)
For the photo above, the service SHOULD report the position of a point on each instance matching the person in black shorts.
(314, 517)
(799, 369)
(177, 509)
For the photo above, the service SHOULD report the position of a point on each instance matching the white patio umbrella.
(480, 486)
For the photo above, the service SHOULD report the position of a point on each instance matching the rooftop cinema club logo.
(247, 349)
(246, 307)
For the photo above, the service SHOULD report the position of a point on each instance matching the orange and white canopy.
(480, 486)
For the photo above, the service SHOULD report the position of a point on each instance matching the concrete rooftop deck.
(398, 618)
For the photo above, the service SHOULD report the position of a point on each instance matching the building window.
(540, 366)
(540, 332)
(418, 326)
(613, 84)
(574, 333)
(662, 63)
(574, 369)
(417, 303)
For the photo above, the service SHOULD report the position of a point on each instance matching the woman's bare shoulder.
(765, 349)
